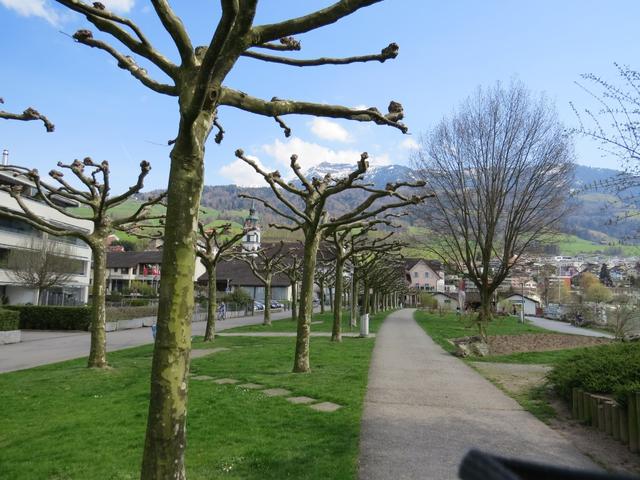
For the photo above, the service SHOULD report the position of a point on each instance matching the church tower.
(251, 239)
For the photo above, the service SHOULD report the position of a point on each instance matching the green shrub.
(609, 369)
(138, 302)
(9, 320)
(115, 314)
(36, 317)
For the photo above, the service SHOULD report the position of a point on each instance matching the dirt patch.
(539, 342)
(517, 379)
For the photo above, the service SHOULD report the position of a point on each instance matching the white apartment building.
(19, 235)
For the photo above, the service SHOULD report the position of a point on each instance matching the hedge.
(115, 314)
(609, 369)
(9, 320)
(36, 317)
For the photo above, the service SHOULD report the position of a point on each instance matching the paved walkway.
(564, 327)
(43, 347)
(424, 409)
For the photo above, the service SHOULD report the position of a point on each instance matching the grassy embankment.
(64, 421)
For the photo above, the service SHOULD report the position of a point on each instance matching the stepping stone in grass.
(276, 392)
(203, 352)
(325, 407)
(301, 400)
(226, 381)
(201, 377)
(251, 386)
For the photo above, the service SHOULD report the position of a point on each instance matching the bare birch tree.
(312, 218)
(613, 124)
(40, 265)
(95, 196)
(501, 168)
(197, 80)
(213, 244)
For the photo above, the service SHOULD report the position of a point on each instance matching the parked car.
(276, 304)
(258, 306)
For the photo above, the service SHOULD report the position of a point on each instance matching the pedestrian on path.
(222, 311)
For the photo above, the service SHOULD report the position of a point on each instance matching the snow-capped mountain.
(379, 176)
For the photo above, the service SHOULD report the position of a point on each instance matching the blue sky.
(447, 49)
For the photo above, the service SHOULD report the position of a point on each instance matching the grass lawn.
(63, 421)
(444, 327)
(325, 324)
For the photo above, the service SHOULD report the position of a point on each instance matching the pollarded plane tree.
(293, 271)
(324, 275)
(197, 80)
(212, 245)
(344, 244)
(93, 193)
(386, 279)
(501, 168)
(28, 115)
(265, 263)
(304, 208)
(371, 263)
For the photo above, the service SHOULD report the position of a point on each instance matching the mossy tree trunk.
(98, 351)
(165, 440)
(267, 301)
(354, 301)
(321, 287)
(301, 359)
(294, 300)
(336, 333)
(210, 330)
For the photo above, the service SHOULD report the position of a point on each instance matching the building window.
(124, 270)
(415, 274)
(426, 274)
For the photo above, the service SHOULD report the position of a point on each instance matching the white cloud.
(311, 154)
(33, 8)
(119, 5)
(409, 144)
(329, 130)
(42, 8)
(243, 175)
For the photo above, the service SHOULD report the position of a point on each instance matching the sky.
(447, 49)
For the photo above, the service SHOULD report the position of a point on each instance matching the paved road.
(564, 327)
(43, 347)
(424, 409)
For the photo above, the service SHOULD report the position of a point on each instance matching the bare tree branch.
(28, 115)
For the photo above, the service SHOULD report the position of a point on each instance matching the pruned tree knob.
(364, 156)
(99, 6)
(82, 35)
(239, 153)
(145, 166)
(390, 51)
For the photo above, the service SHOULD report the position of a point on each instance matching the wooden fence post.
(624, 426)
(615, 421)
(632, 414)
(575, 411)
(608, 417)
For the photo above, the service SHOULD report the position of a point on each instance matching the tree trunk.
(301, 360)
(321, 285)
(210, 330)
(294, 300)
(336, 333)
(366, 307)
(165, 440)
(98, 350)
(267, 302)
(354, 302)
(484, 316)
(330, 298)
